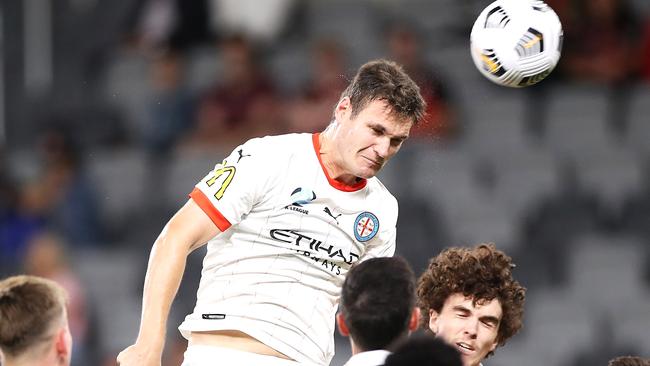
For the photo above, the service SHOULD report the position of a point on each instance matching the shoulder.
(384, 203)
(379, 191)
(279, 144)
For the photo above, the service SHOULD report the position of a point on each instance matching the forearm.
(187, 230)
(164, 273)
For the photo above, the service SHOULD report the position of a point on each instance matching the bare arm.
(189, 229)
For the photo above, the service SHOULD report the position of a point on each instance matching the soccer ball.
(516, 43)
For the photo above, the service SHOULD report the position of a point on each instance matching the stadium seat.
(612, 176)
(576, 122)
(187, 168)
(605, 270)
(638, 129)
(523, 179)
(354, 23)
(495, 125)
(112, 279)
(126, 86)
(203, 68)
(556, 326)
(120, 177)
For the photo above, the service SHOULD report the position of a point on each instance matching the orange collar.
(333, 182)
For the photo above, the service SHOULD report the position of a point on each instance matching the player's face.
(369, 139)
(471, 329)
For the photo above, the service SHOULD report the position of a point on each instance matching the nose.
(471, 327)
(383, 148)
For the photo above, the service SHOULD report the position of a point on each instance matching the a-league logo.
(366, 226)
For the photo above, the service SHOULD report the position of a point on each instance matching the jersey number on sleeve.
(228, 173)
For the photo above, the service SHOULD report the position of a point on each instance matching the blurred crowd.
(202, 76)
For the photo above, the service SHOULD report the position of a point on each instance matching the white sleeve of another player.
(229, 192)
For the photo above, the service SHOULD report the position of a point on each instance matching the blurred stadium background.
(110, 111)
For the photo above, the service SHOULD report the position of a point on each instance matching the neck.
(330, 157)
(355, 349)
(33, 359)
(28, 361)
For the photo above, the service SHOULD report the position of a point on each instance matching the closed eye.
(396, 142)
(488, 323)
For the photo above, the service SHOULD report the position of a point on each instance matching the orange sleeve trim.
(202, 200)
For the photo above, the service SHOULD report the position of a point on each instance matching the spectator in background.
(181, 24)
(68, 193)
(424, 351)
(171, 107)
(404, 47)
(468, 298)
(261, 21)
(377, 308)
(33, 322)
(312, 110)
(242, 104)
(645, 52)
(629, 361)
(602, 42)
(24, 217)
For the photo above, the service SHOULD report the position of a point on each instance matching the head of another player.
(629, 361)
(378, 306)
(469, 298)
(424, 350)
(373, 118)
(33, 322)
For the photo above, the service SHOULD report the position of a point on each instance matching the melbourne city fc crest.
(366, 226)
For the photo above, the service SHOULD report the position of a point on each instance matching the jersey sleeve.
(231, 190)
(385, 242)
(382, 248)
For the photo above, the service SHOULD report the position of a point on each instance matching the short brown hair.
(385, 80)
(483, 273)
(29, 307)
(629, 361)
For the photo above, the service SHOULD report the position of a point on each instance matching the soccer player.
(468, 298)
(285, 217)
(377, 308)
(33, 322)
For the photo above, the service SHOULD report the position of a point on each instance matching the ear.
(433, 321)
(415, 319)
(343, 328)
(63, 343)
(342, 107)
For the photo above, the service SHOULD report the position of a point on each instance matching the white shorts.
(200, 355)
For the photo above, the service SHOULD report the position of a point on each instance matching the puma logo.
(241, 154)
(330, 214)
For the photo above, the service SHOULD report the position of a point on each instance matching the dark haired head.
(377, 300)
(424, 350)
(387, 81)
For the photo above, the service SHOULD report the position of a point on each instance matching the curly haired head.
(629, 361)
(483, 273)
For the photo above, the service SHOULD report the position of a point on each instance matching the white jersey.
(289, 235)
(368, 358)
